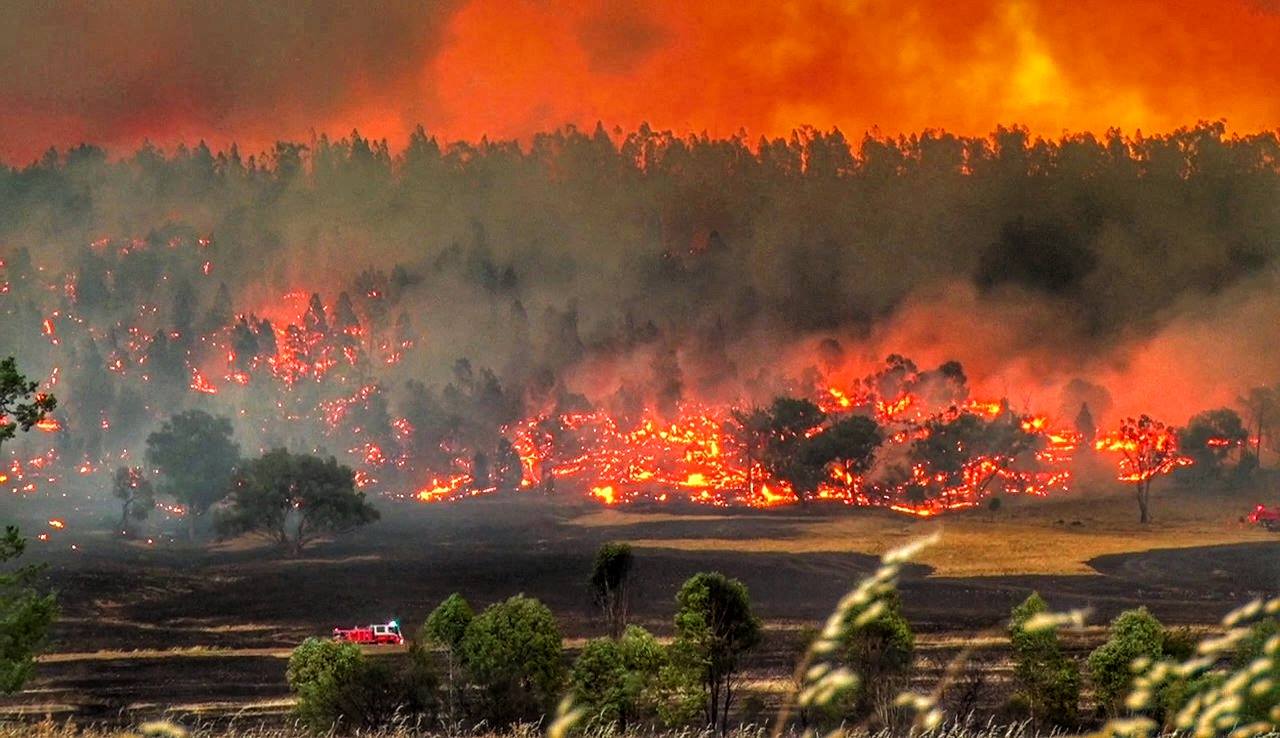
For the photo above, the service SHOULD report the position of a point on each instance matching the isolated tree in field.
(1262, 409)
(196, 458)
(25, 615)
(445, 628)
(1134, 634)
(21, 406)
(513, 653)
(1148, 449)
(294, 498)
(615, 680)
(610, 574)
(137, 496)
(714, 629)
(1211, 437)
(1048, 682)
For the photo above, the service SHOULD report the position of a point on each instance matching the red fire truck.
(1267, 517)
(388, 634)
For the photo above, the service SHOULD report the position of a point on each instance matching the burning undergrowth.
(652, 318)
(313, 374)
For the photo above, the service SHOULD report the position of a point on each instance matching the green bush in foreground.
(617, 681)
(513, 655)
(338, 688)
(714, 628)
(1048, 682)
(1133, 635)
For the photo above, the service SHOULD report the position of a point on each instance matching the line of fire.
(313, 370)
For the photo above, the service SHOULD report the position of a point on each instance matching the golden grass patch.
(1027, 536)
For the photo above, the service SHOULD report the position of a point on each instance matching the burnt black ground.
(122, 597)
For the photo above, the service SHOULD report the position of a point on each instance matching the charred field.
(205, 630)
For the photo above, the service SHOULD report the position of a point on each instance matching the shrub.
(1048, 682)
(714, 628)
(1251, 654)
(337, 688)
(512, 652)
(615, 681)
(445, 628)
(1134, 634)
(880, 650)
(319, 674)
(609, 576)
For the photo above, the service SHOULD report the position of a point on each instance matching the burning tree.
(136, 495)
(1148, 449)
(21, 407)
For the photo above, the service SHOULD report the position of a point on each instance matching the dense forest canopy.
(584, 244)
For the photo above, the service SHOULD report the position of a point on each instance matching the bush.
(1048, 682)
(1259, 704)
(337, 688)
(512, 652)
(615, 681)
(881, 652)
(445, 628)
(714, 628)
(1134, 634)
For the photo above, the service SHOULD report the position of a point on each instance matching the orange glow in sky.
(509, 68)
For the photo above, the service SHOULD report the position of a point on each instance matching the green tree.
(196, 458)
(610, 574)
(293, 498)
(714, 629)
(1134, 634)
(1048, 682)
(881, 651)
(513, 653)
(337, 688)
(21, 406)
(615, 680)
(25, 615)
(136, 495)
(445, 628)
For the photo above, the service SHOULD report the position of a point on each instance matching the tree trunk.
(191, 525)
(1144, 502)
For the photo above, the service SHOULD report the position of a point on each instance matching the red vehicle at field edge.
(378, 635)
(1267, 517)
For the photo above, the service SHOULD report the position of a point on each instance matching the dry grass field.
(1025, 537)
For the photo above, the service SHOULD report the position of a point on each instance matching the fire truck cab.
(1267, 517)
(381, 634)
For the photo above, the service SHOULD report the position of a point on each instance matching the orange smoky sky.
(118, 73)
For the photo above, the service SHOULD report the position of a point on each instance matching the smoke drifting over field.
(475, 285)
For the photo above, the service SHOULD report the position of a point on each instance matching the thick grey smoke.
(646, 269)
